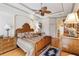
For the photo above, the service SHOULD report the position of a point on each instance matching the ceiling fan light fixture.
(44, 8)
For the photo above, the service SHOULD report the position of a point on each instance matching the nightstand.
(7, 44)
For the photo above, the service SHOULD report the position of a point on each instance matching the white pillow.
(20, 35)
(28, 35)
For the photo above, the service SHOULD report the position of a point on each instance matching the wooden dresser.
(7, 44)
(73, 46)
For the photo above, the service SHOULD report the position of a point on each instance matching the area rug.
(51, 52)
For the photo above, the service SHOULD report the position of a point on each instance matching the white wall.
(52, 28)
(6, 18)
(45, 26)
(76, 7)
(49, 26)
(20, 20)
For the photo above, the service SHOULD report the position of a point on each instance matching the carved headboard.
(25, 28)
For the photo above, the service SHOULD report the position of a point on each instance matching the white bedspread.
(25, 45)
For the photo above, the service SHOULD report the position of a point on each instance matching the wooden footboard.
(39, 47)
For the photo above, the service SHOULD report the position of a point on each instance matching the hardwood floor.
(15, 52)
(20, 52)
(66, 54)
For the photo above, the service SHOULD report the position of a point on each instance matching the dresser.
(72, 46)
(7, 44)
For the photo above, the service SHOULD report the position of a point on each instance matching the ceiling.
(58, 9)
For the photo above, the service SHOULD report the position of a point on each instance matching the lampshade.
(7, 27)
(32, 16)
(72, 18)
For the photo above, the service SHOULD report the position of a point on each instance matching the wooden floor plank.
(20, 52)
(66, 54)
(15, 52)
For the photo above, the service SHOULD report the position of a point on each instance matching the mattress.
(25, 45)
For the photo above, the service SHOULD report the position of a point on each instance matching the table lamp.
(7, 28)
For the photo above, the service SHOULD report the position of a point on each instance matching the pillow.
(28, 35)
(21, 35)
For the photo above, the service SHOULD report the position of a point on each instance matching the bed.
(32, 43)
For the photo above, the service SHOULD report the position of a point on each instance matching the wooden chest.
(7, 44)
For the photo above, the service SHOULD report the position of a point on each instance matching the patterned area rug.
(51, 52)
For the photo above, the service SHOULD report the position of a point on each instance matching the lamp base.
(7, 32)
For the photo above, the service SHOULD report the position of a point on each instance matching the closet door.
(45, 26)
(49, 27)
(52, 27)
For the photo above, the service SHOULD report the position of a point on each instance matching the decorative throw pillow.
(28, 35)
(21, 35)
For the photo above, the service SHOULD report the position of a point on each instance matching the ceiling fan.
(44, 10)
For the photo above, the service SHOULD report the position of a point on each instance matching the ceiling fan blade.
(48, 12)
(40, 10)
(34, 10)
(42, 14)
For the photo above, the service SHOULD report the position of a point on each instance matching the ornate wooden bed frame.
(40, 45)
(25, 28)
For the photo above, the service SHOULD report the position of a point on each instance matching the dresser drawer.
(73, 47)
(8, 46)
(8, 42)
